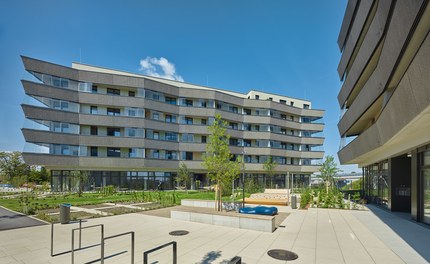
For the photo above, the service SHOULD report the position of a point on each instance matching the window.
(170, 155)
(156, 135)
(204, 121)
(234, 142)
(156, 116)
(93, 110)
(113, 112)
(247, 111)
(94, 89)
(283, 131)
(113, 152)
(171, 100)
(270, 99)
(218, 105)
(131, 93)
(233, 125)
(94, 131)
(257, 128)
(203, 104)
(93, 151)
(171, 136)
(155, 96)
(292, 103)
(203, 139)
(187, 156)
(246, 142)
(155, 154)
(113, 132)
(170, 119)
(188, 102)
(257, 97)
(284, 116)
(187, 138)
(233, 109)
(283, 101)
(111, 91)
(188, 120)
(305, 106)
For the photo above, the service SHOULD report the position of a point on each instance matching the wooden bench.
(270, 197)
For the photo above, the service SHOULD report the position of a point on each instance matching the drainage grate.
(282, 254)
(179, 233)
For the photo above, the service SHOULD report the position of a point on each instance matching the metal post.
(73, 248)
(243, 179)
(52, 239)
(132, 248)
(80, 233)
(175, 253)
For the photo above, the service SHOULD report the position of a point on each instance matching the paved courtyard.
(316, 235)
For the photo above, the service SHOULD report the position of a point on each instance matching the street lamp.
(243, 179)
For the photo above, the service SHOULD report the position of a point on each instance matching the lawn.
(34, 201)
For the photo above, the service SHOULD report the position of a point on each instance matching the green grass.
(54, 200)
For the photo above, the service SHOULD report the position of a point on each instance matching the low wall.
(228, 206)
(202, 215)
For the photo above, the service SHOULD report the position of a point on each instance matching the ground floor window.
(425, 172)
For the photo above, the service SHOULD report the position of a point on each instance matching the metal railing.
(52, 240)
(80, 241)
(175, 252)
(102, 258)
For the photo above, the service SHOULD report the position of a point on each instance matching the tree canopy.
(218, 159)
(12, 165)
(328, 170)
(269, 166)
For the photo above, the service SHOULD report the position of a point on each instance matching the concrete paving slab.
(347, 240)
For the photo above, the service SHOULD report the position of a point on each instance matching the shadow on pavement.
(415, 234)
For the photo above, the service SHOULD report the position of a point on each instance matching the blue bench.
(261, 210)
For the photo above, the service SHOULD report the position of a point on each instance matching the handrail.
(102, 258)
(52, 239)
(80, 231)
(175, 252)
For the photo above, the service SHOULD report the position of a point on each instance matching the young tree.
(218, 159)
(269, 166)
(183, 175)
(79, 179)
(12, 165)
(328, 170)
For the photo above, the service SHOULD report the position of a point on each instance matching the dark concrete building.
(133, 131)
(385, 101)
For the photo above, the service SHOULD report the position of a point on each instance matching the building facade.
(385, 101)
(132, 131)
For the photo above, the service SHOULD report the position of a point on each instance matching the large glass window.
(426, 187)
(113, 111)
(113, 152)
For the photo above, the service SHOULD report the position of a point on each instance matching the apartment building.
(385, 101)
(133, 131)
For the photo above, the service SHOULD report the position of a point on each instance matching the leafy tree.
(37, 175)
(183, 175)
(269, 166)
(79, 179)
(218, 159)
(12, 165)
(328, 170)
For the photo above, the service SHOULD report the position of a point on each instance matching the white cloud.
(161, 67)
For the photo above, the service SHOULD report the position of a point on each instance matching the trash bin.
(294, 202)
(65, 213)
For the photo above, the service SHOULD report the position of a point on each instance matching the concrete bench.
(265, 223)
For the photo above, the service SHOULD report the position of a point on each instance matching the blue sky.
(279, 46)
